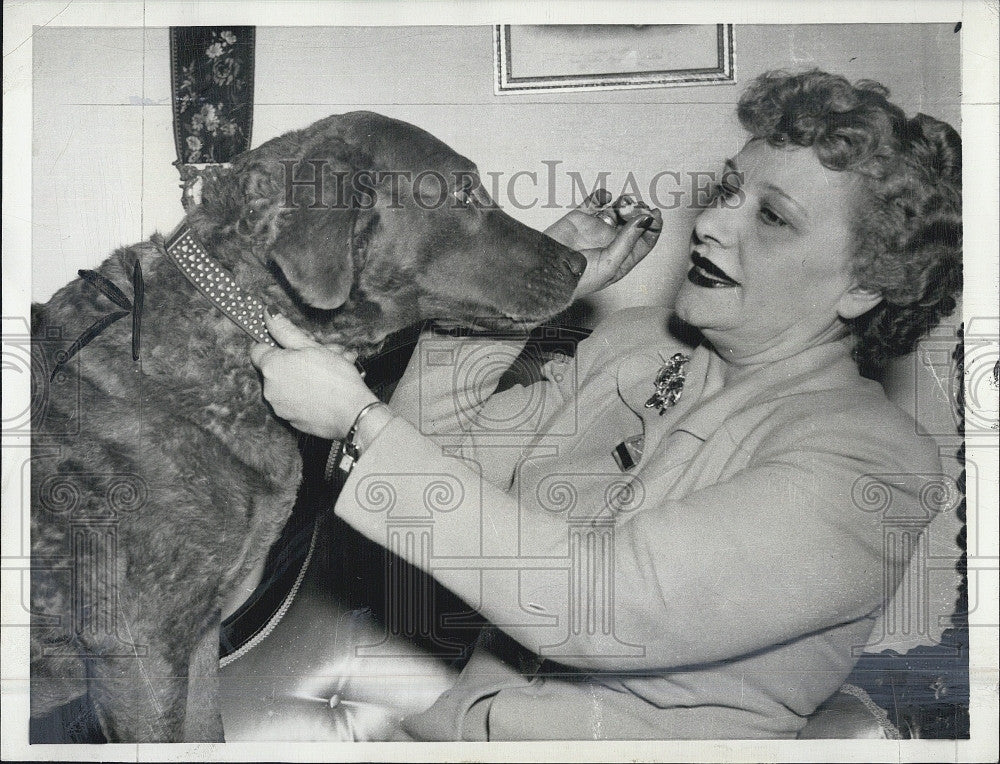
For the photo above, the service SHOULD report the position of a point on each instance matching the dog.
(161, 478)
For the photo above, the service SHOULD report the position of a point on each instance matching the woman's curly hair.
(908, 219)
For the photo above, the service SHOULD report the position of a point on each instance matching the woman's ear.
(857, 301)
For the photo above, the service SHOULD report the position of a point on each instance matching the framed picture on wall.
(566, 57)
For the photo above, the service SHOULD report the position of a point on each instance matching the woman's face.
(771, 258)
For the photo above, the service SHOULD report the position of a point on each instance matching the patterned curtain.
(211, 71)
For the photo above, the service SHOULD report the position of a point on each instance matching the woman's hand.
(612, 246)
(316, 388)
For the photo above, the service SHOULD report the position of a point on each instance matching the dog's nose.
(574, 262)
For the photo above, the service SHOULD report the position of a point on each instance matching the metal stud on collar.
(215, 282)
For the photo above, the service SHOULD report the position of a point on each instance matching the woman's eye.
(770, 217)
(730, 182)
(715, 192)
(728, 189)
(722, 190)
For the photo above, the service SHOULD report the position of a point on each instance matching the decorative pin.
(669, 383)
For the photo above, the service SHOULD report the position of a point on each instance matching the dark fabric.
(73, 722)
(211, 73)
(925, 691)
(287, 556)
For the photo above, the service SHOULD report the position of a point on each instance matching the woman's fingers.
(260, 352)
(285, 333)
(652, 231)
(290, 337)
(316, 391)
(631, 240)
(595, 201)
(626, 246)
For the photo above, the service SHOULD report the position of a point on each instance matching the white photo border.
(980, 125)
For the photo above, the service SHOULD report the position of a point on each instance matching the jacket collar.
(706, 403)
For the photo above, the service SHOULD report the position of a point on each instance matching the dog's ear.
(313, 234)
(290, 201)
(299, 211)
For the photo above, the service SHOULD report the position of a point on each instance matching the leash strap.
(217, 284)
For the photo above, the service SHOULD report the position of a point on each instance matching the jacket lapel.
(673, 439)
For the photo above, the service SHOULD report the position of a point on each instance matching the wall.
(103, 146)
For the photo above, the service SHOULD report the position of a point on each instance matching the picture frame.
(584, 57)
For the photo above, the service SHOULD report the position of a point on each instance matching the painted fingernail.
(601, 196)
(608, 217)
(645, 222)
(273, 312)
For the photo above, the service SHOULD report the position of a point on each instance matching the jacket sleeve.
(448, 393)
(784, 548)
(447, 390)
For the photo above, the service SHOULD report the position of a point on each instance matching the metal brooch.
(669, 383)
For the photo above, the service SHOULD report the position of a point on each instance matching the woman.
(676, 566)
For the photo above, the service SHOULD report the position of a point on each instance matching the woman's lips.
(705, 273)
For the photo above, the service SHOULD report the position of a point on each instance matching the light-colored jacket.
(721, 588)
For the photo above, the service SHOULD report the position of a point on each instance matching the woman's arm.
(448, 393)
(778, 551)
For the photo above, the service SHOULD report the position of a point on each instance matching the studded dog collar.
(217, 284)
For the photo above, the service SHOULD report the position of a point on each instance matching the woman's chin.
(705, 308)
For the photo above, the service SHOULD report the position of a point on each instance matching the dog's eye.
(464, 197)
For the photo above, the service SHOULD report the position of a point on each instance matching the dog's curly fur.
(158, 485)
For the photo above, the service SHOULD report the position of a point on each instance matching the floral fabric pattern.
(212, 79)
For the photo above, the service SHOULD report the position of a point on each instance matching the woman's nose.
(716, 224)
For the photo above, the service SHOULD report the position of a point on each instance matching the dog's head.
(376, 224)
